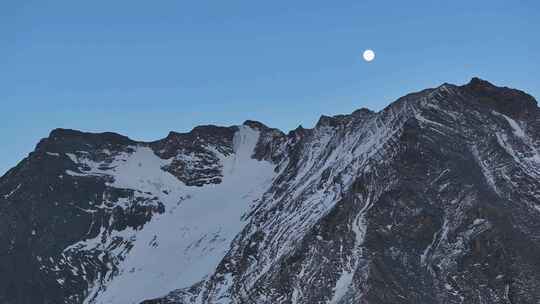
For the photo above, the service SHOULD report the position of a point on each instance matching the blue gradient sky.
(142, 68)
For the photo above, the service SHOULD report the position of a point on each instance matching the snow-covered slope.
(435, 199)
(185, 243)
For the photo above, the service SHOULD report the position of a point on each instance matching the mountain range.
(434, 199)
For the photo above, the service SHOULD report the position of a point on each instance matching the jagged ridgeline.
(435, 199)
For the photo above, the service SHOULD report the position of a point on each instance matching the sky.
(144, 68)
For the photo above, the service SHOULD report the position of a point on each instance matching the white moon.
(369, 55)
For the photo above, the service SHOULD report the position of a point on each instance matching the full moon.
(369, 55)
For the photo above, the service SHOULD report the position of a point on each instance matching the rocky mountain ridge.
(434, 199)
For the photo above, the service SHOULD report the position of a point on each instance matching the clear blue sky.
(142, 68)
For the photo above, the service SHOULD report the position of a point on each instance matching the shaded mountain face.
(435, 199)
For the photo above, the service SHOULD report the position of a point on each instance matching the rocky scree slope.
(435, 199)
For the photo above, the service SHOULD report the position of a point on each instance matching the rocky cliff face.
(435, 199)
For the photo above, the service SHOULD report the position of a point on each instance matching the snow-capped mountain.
(435, 199)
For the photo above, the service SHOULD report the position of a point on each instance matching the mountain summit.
(435, 199)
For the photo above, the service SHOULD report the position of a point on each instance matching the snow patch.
(478, 221)
(342, 285)
(515, 126)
